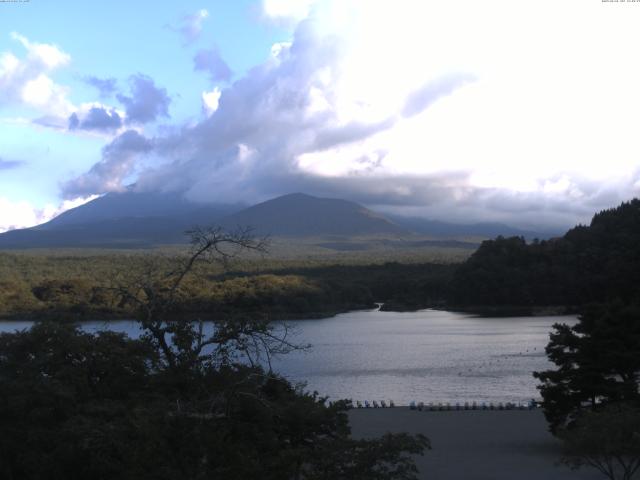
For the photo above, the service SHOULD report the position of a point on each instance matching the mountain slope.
(119, 220)
(123, 205)
(139, 220)
(298, 214)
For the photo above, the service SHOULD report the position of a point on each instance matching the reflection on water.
(429, 356)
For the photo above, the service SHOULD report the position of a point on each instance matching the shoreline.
(479, 311)
(475, 444)
(514, 310)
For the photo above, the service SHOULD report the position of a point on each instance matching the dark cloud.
(146, 102)
(210, 62)
(107, 87)
(450, 196)
(118, 158)
(98, 118)
(10, 164)
(423, 97)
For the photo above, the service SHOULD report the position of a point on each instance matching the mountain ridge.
(299, 214)
(142, 220)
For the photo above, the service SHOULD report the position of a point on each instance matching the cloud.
(22, 214)
(10, 164)
(211, 100)
(334, 136)
(210, 62)
(399, 109)
(45, 55)
(267, 124)
(107, 87)
(190, 26)
(55, 122)
(118, 159)
(146, 102)
(424, 96)
(19, 214)
(270, 132)
(287, 11)
(26, 81)
(96, 118)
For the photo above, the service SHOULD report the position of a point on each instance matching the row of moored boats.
(530, 405)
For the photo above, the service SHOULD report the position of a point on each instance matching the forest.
(87, 286)
(591, 263)
(177, 402)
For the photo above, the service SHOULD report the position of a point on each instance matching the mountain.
(123, 205)
(139, 220)
(298, 215)
(120, 220)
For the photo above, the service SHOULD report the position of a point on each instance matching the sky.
(514, 111)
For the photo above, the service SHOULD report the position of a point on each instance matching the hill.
(591, 263)
(298, 214)
(140, 220)
(134, 220)
(119, 220)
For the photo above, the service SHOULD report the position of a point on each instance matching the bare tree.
(156, 292)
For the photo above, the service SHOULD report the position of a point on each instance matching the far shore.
(73, 315)
(514, 310)
(475, 444)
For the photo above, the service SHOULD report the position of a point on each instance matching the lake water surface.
(429, 355)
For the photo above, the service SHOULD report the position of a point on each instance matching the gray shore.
(475, 445)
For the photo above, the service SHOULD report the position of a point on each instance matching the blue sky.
(519, 112)
(115, 40)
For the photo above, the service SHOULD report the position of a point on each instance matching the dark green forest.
(87, 286)
(591, 263)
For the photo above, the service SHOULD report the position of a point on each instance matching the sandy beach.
(475, 445)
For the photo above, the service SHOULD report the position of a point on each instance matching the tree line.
(588, 264)
(178, 402)
(84, 287)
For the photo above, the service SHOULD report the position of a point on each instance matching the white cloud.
(280, 48)
(27, 80)
(287, 10)
(496, 108)
(22, 214)
(48, 55)
(210, 100)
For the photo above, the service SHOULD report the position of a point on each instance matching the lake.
(429, 355)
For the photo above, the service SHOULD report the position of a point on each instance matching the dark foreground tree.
(591, 400)
(182, 402)
(607, 440)
(598, 362)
